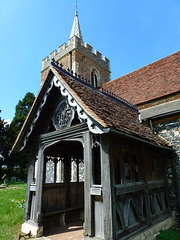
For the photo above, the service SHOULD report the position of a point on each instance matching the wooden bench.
(47, 214)
(63, 214)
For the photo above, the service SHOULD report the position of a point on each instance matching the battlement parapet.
(89, 48)
(85, 49)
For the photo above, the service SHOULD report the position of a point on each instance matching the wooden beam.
(129, 188)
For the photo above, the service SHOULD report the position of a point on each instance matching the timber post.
(146, 192)
(112, 185)
(107, 189)
(30, 179)
(88, 207)
(39, 186)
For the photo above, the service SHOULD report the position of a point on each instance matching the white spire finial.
(76, 5)
(76, 30)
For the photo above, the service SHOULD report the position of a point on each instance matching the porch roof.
(102, 109)
(107, 112)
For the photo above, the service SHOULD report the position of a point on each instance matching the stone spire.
(76, 30)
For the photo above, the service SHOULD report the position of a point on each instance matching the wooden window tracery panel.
(77, 169)
(96, 160)
(35, 169)
(117, 166)
(74, 169)
(50, 170)
(54, 169)
(81, 170)
(147, 169)
(126, 160)
(135, 167)
(127, 167)
(60, 170)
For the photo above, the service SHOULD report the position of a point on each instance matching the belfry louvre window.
(94, 78)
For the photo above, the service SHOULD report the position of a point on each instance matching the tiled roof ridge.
(118, 98)
(85, 81)
(148, 65)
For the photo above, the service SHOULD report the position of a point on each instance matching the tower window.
(94, 78)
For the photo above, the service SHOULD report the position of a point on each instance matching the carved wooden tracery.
(77, 169)
(63, 115)
(73, 103)
(54, 170)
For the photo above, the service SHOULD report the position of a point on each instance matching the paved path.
(74, 232)
(40, 238)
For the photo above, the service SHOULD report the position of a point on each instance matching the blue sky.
(130, 33)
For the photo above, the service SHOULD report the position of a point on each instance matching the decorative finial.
(76, 5)
(76, 8)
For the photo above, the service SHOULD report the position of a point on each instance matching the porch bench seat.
(46, 214)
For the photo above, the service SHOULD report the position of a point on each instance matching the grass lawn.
(173, 234)
(12, 205)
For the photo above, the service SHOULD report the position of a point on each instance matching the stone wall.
(170, 130)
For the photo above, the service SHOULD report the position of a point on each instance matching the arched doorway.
(63, 188)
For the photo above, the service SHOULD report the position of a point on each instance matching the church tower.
(79, 58)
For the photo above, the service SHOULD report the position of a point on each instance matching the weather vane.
(76, 4)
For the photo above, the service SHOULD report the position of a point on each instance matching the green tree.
(16, 162)
(4, 144)
(22, 110)
(1, 135)
(1, 144)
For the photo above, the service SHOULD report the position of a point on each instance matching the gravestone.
(4, 178)
(13, 179)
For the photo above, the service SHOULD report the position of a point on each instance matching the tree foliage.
(1, 136)
(4, 143)
(8, 134)
(22, 110)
